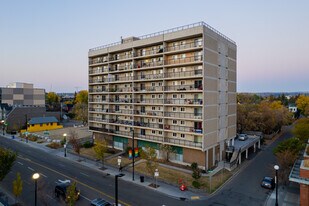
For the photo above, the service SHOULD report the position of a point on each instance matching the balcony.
(149, 89)
(148, 113)
(183, 129)
(193, 73)
(183, 115)
(197, 58)
(149, 76)
(148, 101)
(184, 101)
(118, 57)
(184, 142)
(150, 137)
(97, 71)
(98, 60)
(140, 65)
(120, 68)
(196, 44)
(96, 81)
(116, 79)
(184, 88)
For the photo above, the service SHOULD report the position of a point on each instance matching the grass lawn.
(89, 152)
(173, 176)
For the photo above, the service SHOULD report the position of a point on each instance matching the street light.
(276, 167)
(156, 174)
(133, 153)
(35, 176)
(65, 144)
(2, 122)
(116, 187)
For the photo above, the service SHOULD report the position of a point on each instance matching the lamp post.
(276, 167)
(133, 153)
(2, 122)
(35, 176)
(156, 174)
(65, 144)
(119, 163)
(116, 187)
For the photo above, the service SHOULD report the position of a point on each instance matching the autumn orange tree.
(302, 104)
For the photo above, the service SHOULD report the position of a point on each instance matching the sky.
(47, 42)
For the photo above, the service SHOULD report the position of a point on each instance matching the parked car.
(242, 137)
(61, 189)
(268, 182)
(100, 202)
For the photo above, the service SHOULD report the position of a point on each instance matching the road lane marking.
(43, 175)
(84, 174)
(20, 163)
(85, 198)
(85, 185)
(30, 169)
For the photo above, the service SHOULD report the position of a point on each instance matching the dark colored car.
(61, 190)
(268, 182)
(100, 202)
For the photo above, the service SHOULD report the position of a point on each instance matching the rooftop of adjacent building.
(43, 120)
(180, 28)
(20, 85)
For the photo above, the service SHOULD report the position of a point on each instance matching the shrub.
(196, 184)
(54, 145)
(63, 141)
(88, 144)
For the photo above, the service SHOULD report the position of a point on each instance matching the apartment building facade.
(175, 87)
(22, 94)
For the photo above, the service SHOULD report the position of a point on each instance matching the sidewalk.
(164, 188)
(287, 196)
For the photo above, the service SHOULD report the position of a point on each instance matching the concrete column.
(213, 155)
(254, 146)
(206, 166)
(246, 153)
(228, 143)
(239, 160)
(259, 144)
(233, 141)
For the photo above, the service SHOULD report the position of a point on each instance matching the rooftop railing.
(180, 28)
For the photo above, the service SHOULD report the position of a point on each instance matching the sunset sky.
(46, 42)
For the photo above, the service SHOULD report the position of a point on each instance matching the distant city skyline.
(46, 42)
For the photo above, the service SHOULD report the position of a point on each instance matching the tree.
(166, 150)
(53, 101)
(72, 195)
(302, 103)
(82, 97)
(285, 159)
(7, 158)
(100, 149)
(294, 145)
(75, 143)
(80, 111)
(301, 129)
(196, 174)
(150, 155)
(17, 186)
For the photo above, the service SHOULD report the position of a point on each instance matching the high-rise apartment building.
(174, 87)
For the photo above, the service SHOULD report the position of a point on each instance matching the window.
(174, 135)
(174, 96)
(182, 96)
(153, 96)
(175, 122)
(182, 122)
(160, 96)
(174, 109)
(142, 131)
(175, 57)
(41, 125)
(160, 120)
(174, 82)
(153, 120)
(160, 132)
(126, 128)
(153, 108)
(182, 82)
(183, 56)
(182, 135)
(182, 109)
(153, 131)
(160, 83)
(153, 84)
(159, 108)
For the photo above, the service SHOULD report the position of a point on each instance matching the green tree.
(100, 149)
(7, 158)
(150, 155)
(302, 103)
(166, 150)
(53, 101)
(196, 174)
(82, 97)
(72, 195)
(301, 129)
(294, 145)
(80, 111)
(17, 186)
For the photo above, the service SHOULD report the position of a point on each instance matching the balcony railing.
(148, 89)
(151, 137)
(184, 101)
(149, 113)
(183, 87)
(147, 101)
(98, 60)
(148, 64)
(184, 60)
(189, 45)
(120, 57)
(183, 115)
(97, 71)
(149, 76)
(148, 52)
(183, 128)
(120, 68)
(184, 142)
(198, 72)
